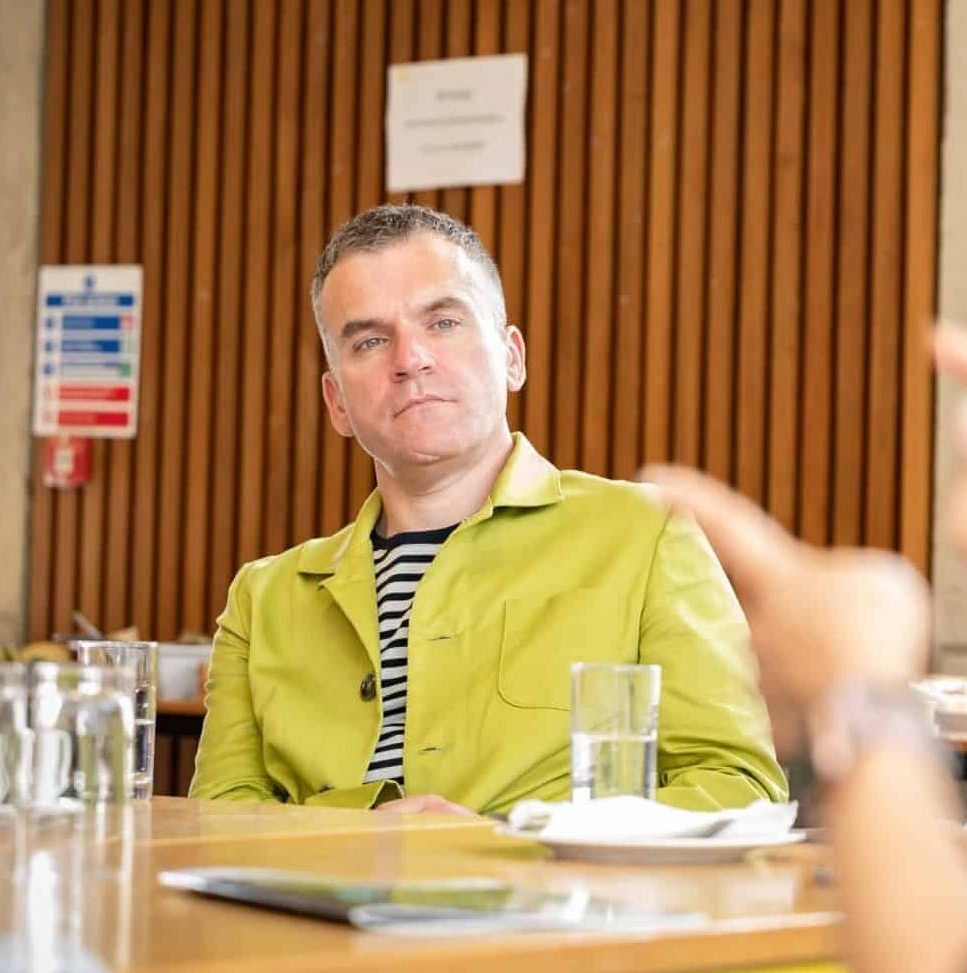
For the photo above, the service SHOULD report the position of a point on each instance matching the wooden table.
(767, 913)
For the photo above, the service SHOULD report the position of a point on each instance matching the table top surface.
(767, 911)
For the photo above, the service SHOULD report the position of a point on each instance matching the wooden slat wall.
(724, 254)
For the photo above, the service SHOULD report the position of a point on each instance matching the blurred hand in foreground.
(818, 617)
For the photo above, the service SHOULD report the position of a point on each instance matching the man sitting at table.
(425, 649)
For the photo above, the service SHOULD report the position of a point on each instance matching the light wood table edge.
(722, 947)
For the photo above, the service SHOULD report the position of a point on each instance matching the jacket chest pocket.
(542, 638)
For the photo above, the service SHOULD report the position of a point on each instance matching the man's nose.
(411, 356)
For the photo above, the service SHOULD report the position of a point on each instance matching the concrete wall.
(21, 62)
(949, 567)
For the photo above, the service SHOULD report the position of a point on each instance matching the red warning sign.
(67, 462)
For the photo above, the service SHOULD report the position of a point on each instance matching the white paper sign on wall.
(457, 122)
(88, 351)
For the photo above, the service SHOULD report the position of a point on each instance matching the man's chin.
(416, 454)
(426, 454)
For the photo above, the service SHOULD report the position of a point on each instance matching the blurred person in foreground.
(424, 650)
(839, 634)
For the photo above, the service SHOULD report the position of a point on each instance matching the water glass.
(614, 730)
(141, 658)
(14, 740)
(80, 733)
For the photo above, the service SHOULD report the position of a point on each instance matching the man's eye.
(367, 343)
(445, 324)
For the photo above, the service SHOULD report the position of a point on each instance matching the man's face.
(420, 370)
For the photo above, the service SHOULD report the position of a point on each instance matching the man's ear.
(516, 359)
(334, 403)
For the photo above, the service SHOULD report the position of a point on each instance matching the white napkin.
(636, 818)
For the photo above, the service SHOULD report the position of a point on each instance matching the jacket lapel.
(343, 564)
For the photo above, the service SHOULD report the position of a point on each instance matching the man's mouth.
(419, 400)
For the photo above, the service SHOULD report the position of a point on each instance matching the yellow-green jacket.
(556, 567)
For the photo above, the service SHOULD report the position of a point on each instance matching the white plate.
(655, 851)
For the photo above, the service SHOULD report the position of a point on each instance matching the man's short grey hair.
(384, 226)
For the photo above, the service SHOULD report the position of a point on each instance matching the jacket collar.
(324, 555)
(527, 480)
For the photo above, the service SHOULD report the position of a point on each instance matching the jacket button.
(367, 688)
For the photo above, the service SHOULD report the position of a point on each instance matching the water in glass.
(612, 764)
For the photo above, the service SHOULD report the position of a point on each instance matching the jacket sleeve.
(714, 740)
(229, 762)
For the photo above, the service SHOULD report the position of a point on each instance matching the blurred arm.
(824, 618)
(899, 865)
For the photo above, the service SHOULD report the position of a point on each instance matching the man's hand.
(425, 804)
(817, 617)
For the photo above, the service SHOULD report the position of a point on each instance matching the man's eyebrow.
(441, 303)
(352, 328)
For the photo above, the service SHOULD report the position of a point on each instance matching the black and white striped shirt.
(400, 562)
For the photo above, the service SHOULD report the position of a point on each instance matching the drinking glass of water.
(80, 733)
(13, 734)
(614, 730)
(141, 658)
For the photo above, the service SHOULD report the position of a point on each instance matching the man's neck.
(440, 494)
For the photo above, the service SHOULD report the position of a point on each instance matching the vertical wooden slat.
(76, 251)
(90, 593)
(754, 256)
(167, 623)
(335, 506)
(885, 279)
(786, 264)
(542, 224)
(511, 247)
(660, 255)
(155, 194)
(569, 319)
(195, 569)
(287, 112)
(852, 291)
(719, 420)
(429, 47)
(483, 199)
(692, 245)
(231, 314)
(922, 160)
(258, 190)
(596, 341)
(754, 279)
(79, 127)
(309, 406)
(632, 175)
(402, 14)
(42, 543)
(459, 27)
(369, 182)
(541, 219)
(116, 613)
(819, 271)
